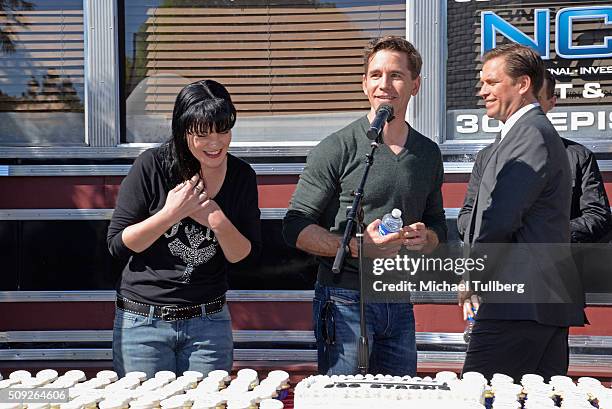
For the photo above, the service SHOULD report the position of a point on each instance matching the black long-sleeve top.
(185, 265)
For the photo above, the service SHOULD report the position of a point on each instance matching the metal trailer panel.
(102, 74)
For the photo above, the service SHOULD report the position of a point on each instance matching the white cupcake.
(5, 383)
(141, 376)
(112, 404)
(47, 375)
(11, 406)
(39, 405)
(75, 374)
(444, 376)
(20, 375)
(167, 375)
(198, 376)
(248, 375)
(144, 404)
(106, 374)
(220, 375)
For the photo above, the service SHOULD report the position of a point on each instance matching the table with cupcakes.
(248, 389)
(218, 390)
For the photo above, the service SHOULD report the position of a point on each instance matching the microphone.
(384, 114)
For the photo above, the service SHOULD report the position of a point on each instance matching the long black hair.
(201, 107)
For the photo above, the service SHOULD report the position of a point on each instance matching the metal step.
(269, 336)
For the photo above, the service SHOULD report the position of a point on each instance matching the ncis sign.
(575, 39)
(492, 24)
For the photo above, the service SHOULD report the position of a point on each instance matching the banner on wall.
(573, 37)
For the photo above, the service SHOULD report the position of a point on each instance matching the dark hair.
(415, 62)
(520, 60)
(201, 107)
(549, 83)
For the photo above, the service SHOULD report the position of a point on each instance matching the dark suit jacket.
(517, 211)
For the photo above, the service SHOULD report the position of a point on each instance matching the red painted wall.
(100, 192)
(287, 316)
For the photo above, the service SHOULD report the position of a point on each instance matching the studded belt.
(171, 312)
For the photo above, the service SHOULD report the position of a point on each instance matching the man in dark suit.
(517, 210)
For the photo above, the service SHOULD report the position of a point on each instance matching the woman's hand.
(234, 244)
(185, 199)
(181, 202)
(209, 214)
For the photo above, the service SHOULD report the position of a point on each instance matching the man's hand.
(469, 302)
(417, 237)
(376, 245)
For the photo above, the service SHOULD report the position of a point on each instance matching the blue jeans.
(151, 344)
(390, 330)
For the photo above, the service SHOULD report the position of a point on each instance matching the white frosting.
(204, 404)
(111, 404)
(110, 375)
(271, 404)
(47, 375)
(166, 375)
(280, 377)
(153, 383)
(208, 386)
(141, 376)
(143, 404)
(195, 375)
(20, 375)
(31, 383)
(11, 406)
(75, 374)
(8, 382)
(531, 379)
(39, 405)
(219, 374)
(389, 392)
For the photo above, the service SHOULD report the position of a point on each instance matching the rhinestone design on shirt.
(191, 254)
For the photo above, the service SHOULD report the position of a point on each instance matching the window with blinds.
(293, 68)
(41, 73)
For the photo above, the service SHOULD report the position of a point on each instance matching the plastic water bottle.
(391, 223)
(467, 333)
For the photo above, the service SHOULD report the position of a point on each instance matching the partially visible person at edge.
(590, 218)
(519, 193)
(185, 211)
(407, 174)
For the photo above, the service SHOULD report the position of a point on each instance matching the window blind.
(41, 72)
(275, 59)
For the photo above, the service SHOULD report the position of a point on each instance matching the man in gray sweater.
(407, 174)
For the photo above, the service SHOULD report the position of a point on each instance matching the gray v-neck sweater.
(410, 181)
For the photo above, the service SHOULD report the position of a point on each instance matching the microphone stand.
(355, 212)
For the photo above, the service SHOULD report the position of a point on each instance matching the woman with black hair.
(184, 212)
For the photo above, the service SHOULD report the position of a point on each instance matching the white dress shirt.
(515, 117)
